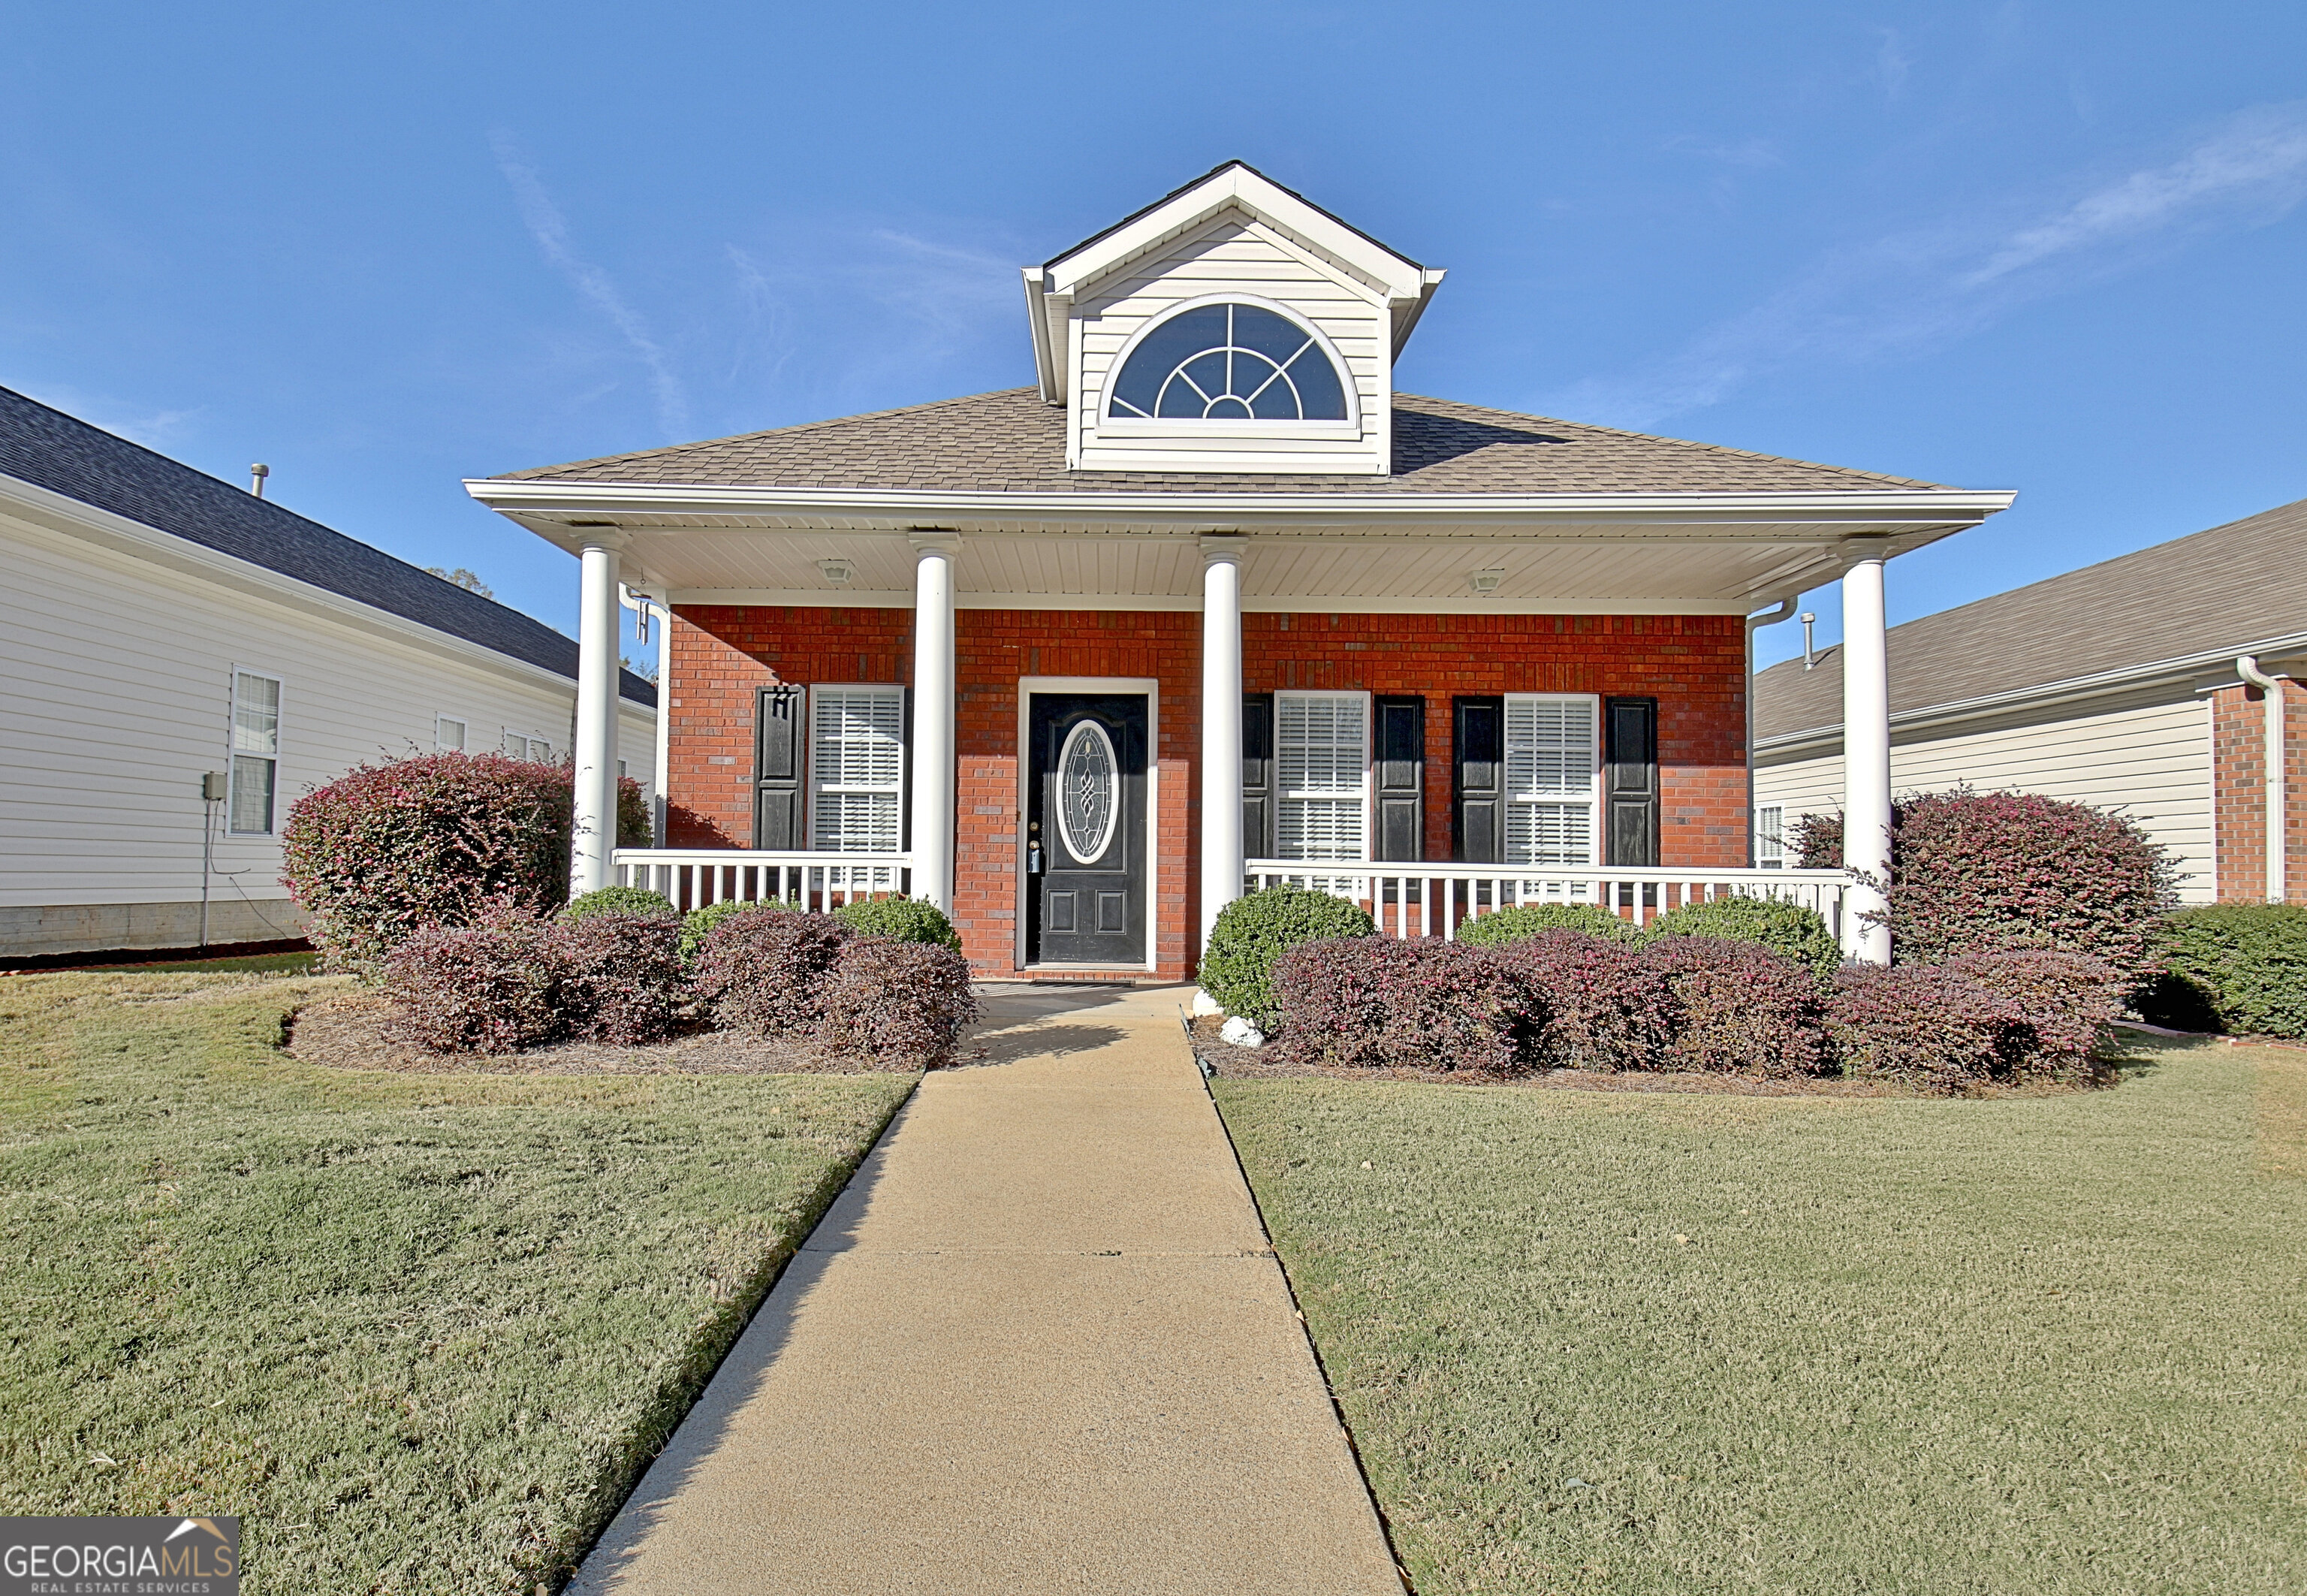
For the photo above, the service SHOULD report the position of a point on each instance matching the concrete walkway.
(1039, 1344)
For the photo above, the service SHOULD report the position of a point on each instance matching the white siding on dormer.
(1232, 256)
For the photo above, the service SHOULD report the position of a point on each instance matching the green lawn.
(1606, 1342)
(420, 1332)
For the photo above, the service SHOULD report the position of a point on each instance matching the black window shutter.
(1401, 770)
(778, 763)
(905, 803)
(1477, 780)
(1258, 775)
(1630, 779)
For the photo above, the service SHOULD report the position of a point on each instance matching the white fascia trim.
(817, 598)
(1237, 185)
(1045, 359)
(2047, 694)
(61, 513)
(1230, 512)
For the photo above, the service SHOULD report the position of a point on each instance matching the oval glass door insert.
(1089, 792)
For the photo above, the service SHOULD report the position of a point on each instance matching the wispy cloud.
(154, 429)
(1892, 63)
(551, 231)
(1919, 290)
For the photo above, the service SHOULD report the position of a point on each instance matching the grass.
(420, 1332)
(1636, 1343)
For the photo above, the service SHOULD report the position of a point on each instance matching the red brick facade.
(2239, 791)
(718, 656)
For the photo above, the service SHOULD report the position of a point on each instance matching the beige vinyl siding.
(1231, 254)
(2150, 759)
(119, 676)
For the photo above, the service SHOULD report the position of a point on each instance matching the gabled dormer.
(1232, 327)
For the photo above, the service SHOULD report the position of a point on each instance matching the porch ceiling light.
(836, 571)
(1487, 581)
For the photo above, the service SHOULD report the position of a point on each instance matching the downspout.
(1769, 617)
(2277, 800)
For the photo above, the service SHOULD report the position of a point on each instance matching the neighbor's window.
(255, 752)
(1321, 754)
(1227, 363)
(1553, 773)
(519, 745)
(1770, 836)
(857, 770)
(448, 735)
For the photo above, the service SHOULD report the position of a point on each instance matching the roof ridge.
(1721, 449)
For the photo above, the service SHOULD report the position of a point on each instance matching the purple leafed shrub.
(450, 839)
(904, 1001)
(1375, 1002)
(1929, 1024)
(494, 988)
(1972, 873)
(1746, 1010)
(621, 975)
(2064, 1000)
(766, 973)
(1607, 1006)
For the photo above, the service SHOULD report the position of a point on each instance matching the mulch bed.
(1243, 1063)
(348, 1032)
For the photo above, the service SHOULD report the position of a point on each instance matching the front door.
(1086, 874)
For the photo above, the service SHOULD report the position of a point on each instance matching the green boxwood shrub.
(901, 920)
(1519, 921)
(1236, 968)
(2232, 967)
(1799, 933)
(621, 900)
(698, 923)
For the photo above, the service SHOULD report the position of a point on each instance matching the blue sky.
(2058, 248)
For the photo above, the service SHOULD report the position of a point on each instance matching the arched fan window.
(1227, 363)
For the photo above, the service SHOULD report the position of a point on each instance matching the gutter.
(1754, 623)
(2047, 693)
(2278, 809)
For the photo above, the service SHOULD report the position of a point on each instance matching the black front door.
(1086, 877)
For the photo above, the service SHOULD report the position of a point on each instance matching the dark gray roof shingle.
(2222, 589)
(59, 453)
(1013, 441)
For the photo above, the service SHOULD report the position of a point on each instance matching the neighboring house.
(2116, 685)
(1211, 605)
(160, 625)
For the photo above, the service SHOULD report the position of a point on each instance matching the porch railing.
(693, 878)
(1433, 899)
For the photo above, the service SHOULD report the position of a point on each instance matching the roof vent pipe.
(256, 475)
(2278, 886)
(1810, 654)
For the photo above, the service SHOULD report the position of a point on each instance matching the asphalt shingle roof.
(2222, 589)
(1013, 441)
(65, 455)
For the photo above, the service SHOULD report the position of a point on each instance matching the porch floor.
(1040, 1343)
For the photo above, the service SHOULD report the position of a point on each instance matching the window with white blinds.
(1321, 755)
(856, 769)
(1553, 749)
(1770, 836)
(255, 752)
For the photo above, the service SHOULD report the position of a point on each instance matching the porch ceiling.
(1620, 552)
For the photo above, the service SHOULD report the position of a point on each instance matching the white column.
(595, 754)
(1221, 857)
(1866, 752)
(933, 719)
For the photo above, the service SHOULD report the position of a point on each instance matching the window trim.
(232, 756)
(1135, 426)
(1280, 795)
(464, 732)
(809, 758)
(1594, 800)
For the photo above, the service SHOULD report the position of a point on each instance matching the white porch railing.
(1432, 899)
(693, 878)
